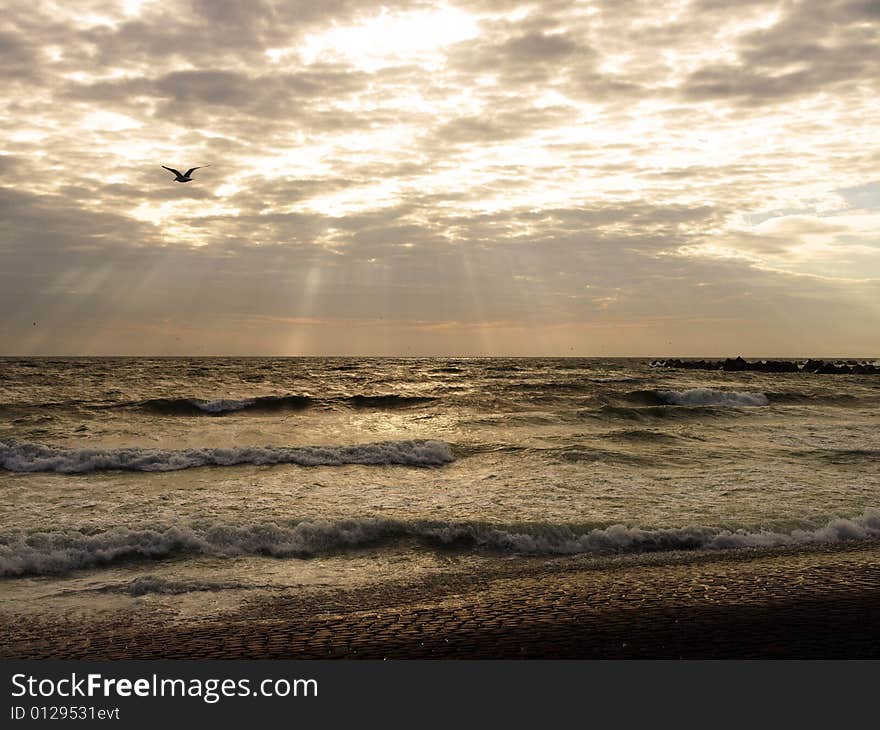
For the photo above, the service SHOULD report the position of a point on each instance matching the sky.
(595, 178)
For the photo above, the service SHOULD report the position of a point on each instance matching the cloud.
(501, 125)
(17, 57)
(865, 196)
(813, 47)
(462, 175)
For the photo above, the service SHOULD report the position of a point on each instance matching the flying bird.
(185, 177)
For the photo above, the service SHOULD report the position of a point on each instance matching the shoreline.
(820, 601)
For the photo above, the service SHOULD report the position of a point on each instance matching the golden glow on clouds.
(387, 38)
(133, 8)
(369, 197)
(108, 121)
(685, 147)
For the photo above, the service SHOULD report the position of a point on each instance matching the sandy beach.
(820, 602)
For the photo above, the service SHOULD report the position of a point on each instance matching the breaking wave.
(31, 457)
(62, 551)
(219, 406)
(707, 397)
(641, 404)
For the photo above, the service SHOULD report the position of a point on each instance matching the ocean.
(189, 486)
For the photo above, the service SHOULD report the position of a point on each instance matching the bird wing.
(193, 169)
(171, 169)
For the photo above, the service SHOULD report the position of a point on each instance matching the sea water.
(192, 484)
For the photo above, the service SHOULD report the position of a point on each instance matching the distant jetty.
(738, 364)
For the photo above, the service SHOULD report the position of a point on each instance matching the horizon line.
(457, 357)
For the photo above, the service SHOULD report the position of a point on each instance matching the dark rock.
(738, 364)
(735, 365)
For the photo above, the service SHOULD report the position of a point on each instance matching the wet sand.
(821, 602)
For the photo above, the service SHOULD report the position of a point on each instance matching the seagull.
(183, 178)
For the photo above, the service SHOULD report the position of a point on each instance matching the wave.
(62, 551)
(616, 379)
(510, 420)
(31, 457)
(270, 403)
(644, 398)
(388, 401)
(650, 414)
(707, 397)
(645, 435)
(825, 399)
(45, 405)
(565, 385)
(841, 456)
(585, 454)
(653, 402)
(219, 406)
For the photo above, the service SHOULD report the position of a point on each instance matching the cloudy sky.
(605, 177)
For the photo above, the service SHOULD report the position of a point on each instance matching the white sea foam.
(708, 397)
(220, 406)
(61, 551)
(31, 457)
(223, 405)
